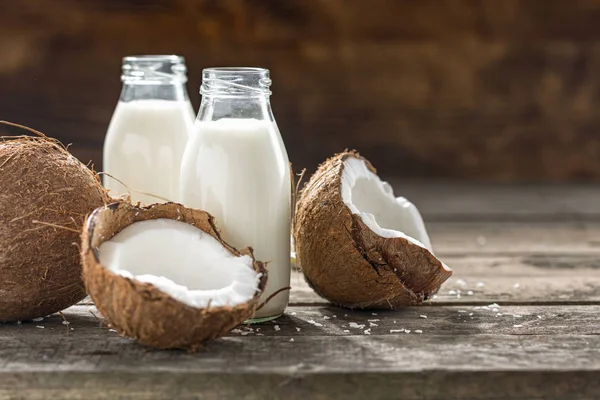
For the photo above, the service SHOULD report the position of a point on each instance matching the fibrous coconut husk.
(141, 311)
(347, 263)
(45, 196)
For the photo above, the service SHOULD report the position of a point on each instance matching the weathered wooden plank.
(304, 384)
(462, 202)
(555, 356)
(553, 238)
(85, 322)
(483, 279)
(519, 279)
(510, 263)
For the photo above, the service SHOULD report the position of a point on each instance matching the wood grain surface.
(470, 89)
(517, 320)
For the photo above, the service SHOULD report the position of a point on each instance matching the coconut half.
(163, 275)
(358, 245)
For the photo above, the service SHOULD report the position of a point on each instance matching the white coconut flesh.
(367, 196)
(182, 261)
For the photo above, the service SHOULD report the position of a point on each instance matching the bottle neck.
(152, 91)
(217, 107)
(154, 77)
(241, 93)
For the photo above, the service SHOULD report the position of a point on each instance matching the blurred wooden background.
(496, 90)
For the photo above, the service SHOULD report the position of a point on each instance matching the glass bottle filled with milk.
(236, 167)
(149, 129)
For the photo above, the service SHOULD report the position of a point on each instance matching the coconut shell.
(347, 263)
(140, 310)
(46, 194)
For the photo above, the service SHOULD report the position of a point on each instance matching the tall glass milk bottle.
(236, 167)
(149, 129)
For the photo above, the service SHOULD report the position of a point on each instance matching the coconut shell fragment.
(142, 311)
(349, 264)
(45, 196)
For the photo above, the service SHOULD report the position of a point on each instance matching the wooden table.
(520, 319)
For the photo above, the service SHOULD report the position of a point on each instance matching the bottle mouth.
(235, 82)
(159, 69)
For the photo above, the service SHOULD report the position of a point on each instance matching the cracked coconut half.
(163, 275)
(358, 245)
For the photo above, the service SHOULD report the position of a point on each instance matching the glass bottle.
(236, 167)
(149, 129)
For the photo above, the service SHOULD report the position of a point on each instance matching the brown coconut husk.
(45, 197)
(347, 263)
(141, 311)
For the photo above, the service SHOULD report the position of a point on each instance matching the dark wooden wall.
(501, 90)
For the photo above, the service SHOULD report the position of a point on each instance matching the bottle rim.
(154, 68)
(154, 57)
(235, 82)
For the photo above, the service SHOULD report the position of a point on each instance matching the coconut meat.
(182, 261)
(373, 200)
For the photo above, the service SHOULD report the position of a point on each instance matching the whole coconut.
(45, 196)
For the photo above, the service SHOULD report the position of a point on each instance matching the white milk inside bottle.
(236, 167)
(149, 130)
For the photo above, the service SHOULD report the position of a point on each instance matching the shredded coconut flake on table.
(41, 327)
(517, 316)
(291, 339)
(298, 329)
(396, 330)
(461, 282)
(451, 292)
(406, 331)
(355, 325)
(326, 317)
(423, 316)
(367, 331)
(277, 328)
(65, 322)
(518, 326)
(374, 313)
(310, 321)
(38, 319)
(372, 324)
(418, 331)
(470, 293)
(480, 284)
(346, 331)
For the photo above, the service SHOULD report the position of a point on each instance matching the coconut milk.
(238, 170)
(144, 147)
